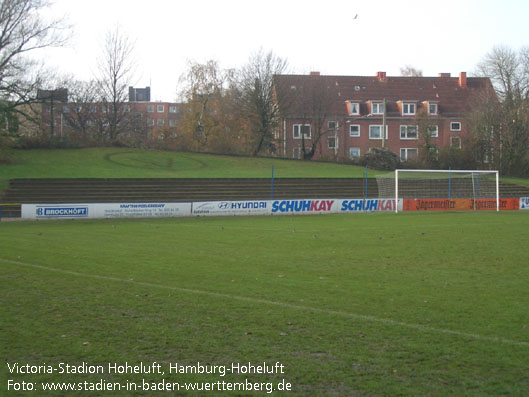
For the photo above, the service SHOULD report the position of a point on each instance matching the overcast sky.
(433, 36)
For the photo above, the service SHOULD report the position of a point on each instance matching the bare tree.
(508, 71)
(22, 31)
(116, 71)
(81, 115)
(260, 97)
(316, 99)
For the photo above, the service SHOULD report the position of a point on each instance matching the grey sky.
(448, 36)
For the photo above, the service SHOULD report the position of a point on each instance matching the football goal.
(440, 184)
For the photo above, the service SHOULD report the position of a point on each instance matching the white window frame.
(453, 139)
(351, 155)
(335, 146)
(160, 108)
(126, 108)
(173, 109)
(380, 127)
(378, 106)
(435, 106)
(354, 108)
(296, 152)
(329, 123)
(172, 123)
(150, 108)
(160, 122)
(299, 128)
(453, 126)
(433, 131)
(407, 108)
(354, 135)
(406, 153)
(405, 129)
(150, 122)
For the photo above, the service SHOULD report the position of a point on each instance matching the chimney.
(314, 73)
(444, 75)
(463, 79)
(381, 76)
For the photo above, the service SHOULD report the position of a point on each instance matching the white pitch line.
(280, 304)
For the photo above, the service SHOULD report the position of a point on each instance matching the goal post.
(441, 184)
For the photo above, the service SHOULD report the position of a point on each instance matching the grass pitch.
(363, 304)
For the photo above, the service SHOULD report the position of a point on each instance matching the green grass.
(364, 304)
(135, 163)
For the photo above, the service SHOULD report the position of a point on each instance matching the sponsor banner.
(524, 203)
(332, 206)
(292, 207)
(370, 205)
(458, 204)
(105, 210)
(220, 208)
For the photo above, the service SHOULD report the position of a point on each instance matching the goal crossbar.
(449, 172)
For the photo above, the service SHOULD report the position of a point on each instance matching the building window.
(377, 108)
(126, 109)
(172, 123)
(92, 109)
(433, 131)
(332, 125)
(432, 108)
(304, 129)
(354, 108)
(160, 108)
(332, 142)
(354, 130)
(297, 152)
(354, 152)
(375, 132)
(160, 122)
(455, 126)
(150, 108)
(150, 122)
(408, 132)
(173, 109)
(408, 109)
(455, 142)
(408, 154)
(65, 109)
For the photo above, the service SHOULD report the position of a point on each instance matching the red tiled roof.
(452, 99)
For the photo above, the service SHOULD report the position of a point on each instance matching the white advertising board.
(222, 208)
(105, 210)
(207, 208)
(292, 207)
(524, 203)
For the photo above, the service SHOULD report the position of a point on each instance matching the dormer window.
(377, 108)
(432, 108)
(354, 108)
(409, 109)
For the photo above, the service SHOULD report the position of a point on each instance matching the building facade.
(342, 117)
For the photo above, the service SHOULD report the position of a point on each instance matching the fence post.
(449, 183)
(272, 186)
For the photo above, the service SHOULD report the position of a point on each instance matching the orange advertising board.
(459, 204)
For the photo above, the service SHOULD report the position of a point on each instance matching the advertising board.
(104, 210)
(458, 204)
(222, 208)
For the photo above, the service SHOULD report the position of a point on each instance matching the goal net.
(437, 184)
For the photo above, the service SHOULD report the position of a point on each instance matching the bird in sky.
(356, 16)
